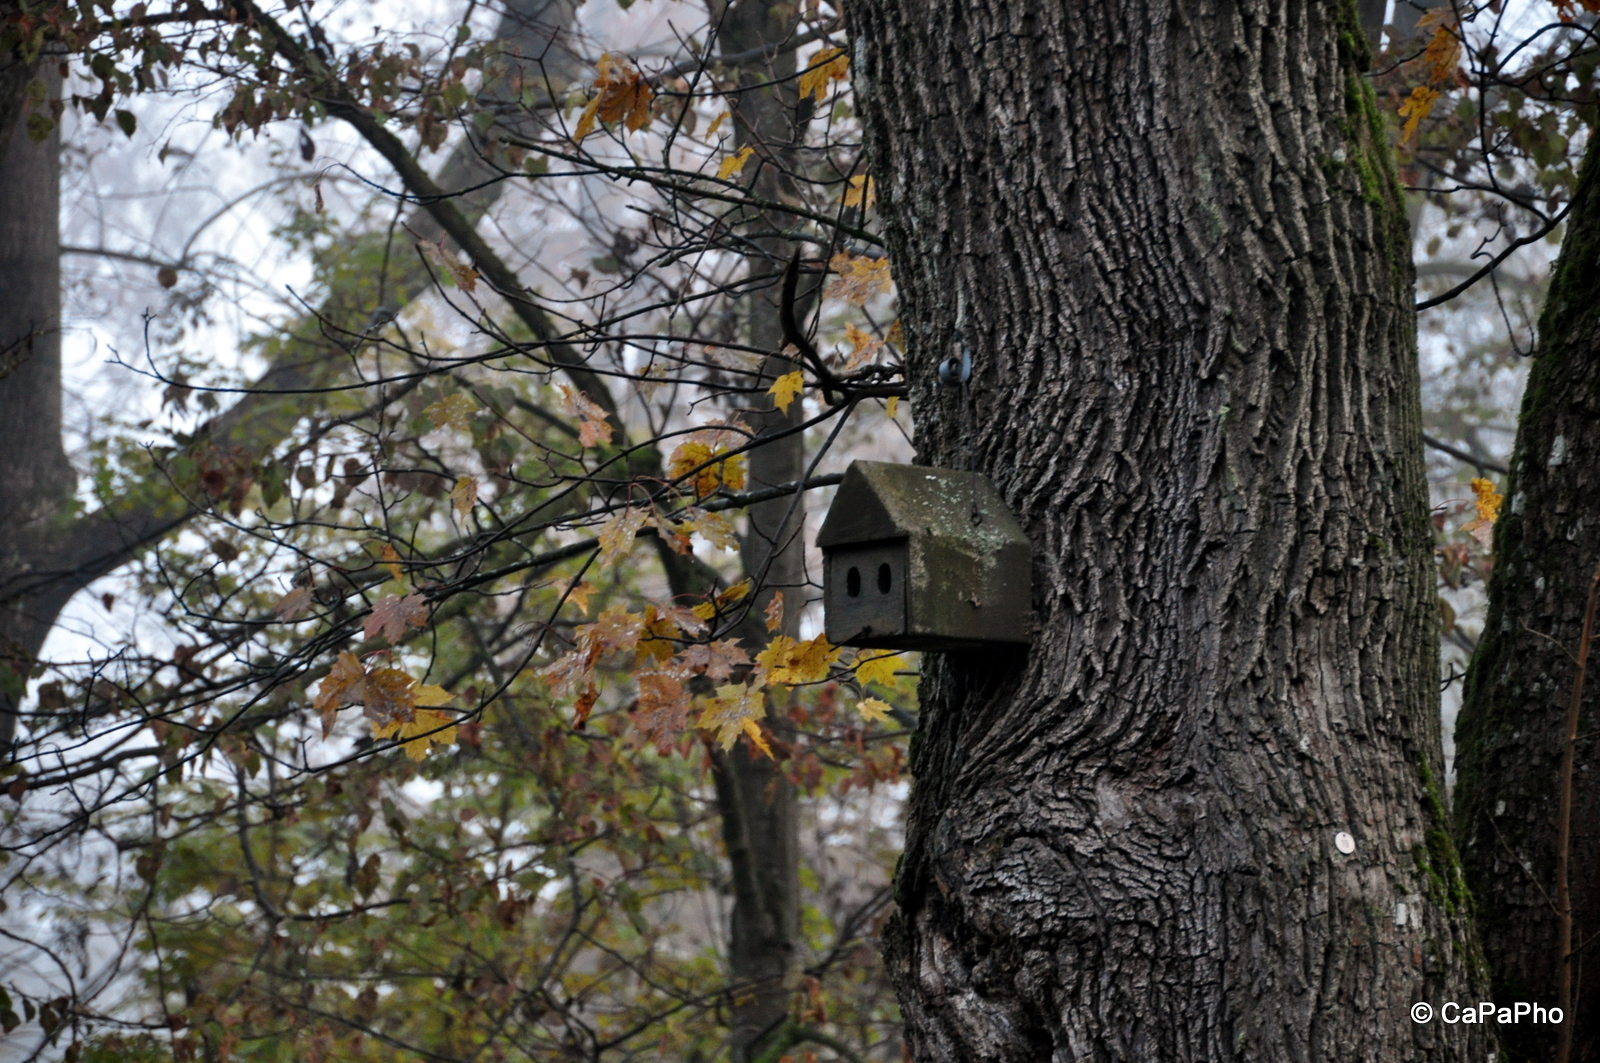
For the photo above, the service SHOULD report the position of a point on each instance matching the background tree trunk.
(760, 811)
(1172, 236)
(1509, 735)
(36, 480)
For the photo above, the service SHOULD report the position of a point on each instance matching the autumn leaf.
(1489, 500)
(734, 711)
(620, 94)
(1417, 107)
(830, 64)
(892, 406)
(616, 536)
(464, 495)
(433, 696)
(345, 685)
(774, 611)
(291, 605)
(785, 388)
(859, 191)
(1488, 503)
(864, 347)
(391, 561)
(592, 424)
(716, 660)
(880, 669)
(873, 710)
(426, 729)
(1443, 53)
(390, 694)
(859, 278)
(786, 662)
(698, 457)
(713, 528)
(451, 411)
(577, 591)
(465, 276)
(733, 165)
(716, 124)
(392, 615)
(662, 713)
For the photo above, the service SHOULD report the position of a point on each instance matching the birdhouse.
(918, 558)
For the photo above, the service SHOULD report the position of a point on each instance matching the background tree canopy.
(416, 422)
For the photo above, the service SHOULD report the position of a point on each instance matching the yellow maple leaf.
(1417, 107)
(464, 495)
(786, 662)
(785, 388)
(891, 406)
(733, 165)
(716, 124)
(830, 64)
(879, 669)
(873, 710)
(577, 591)
(699, 458)
(1489, 501)
(451, 411)
(859, 192)
(859, 278)
(425, 729)
(734, 711)
(391, 561)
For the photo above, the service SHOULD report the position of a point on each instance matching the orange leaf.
(860, 278)
(830, 64)
(1416, 107)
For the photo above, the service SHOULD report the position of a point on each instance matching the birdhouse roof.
(880, 500)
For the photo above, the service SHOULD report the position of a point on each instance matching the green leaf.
(39, 127)
(127, 122)
(463, 33)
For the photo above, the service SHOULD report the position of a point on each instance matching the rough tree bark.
(1172, 236)
(1509, 735)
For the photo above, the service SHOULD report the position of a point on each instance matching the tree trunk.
(1510, 733)
(764, 936)
(1172, 237)
(36, 480)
